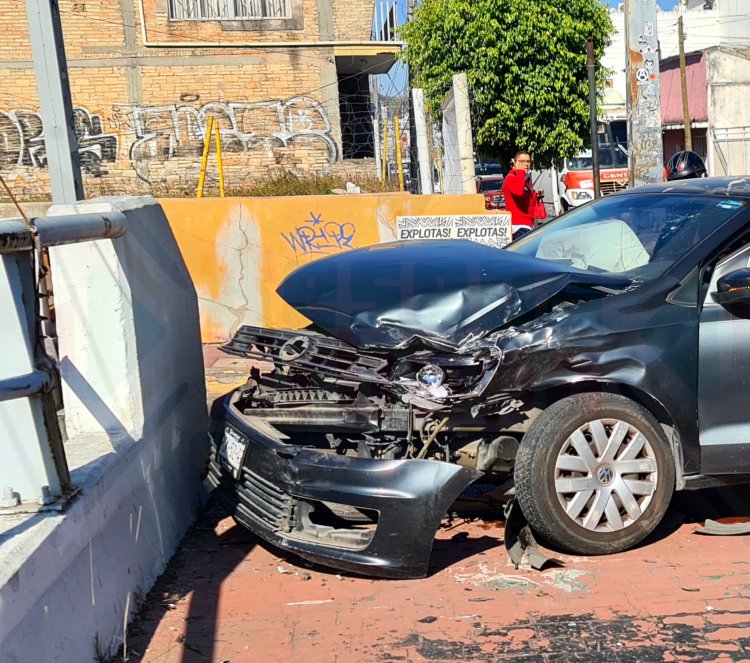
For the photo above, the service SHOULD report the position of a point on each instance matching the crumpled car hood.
(444, 294)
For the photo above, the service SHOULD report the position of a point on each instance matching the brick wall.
(142, 112)
(353, 20)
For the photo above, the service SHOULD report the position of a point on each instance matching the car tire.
(594, 473)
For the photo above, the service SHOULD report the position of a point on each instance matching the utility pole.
(591, 67)
(413, 174)
(646, 153)
(423, 145)
(55, 105)
(683, 82)
(463, 131)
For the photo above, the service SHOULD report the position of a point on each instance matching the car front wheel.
(594, 473)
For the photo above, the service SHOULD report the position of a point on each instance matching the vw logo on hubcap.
(605, 474)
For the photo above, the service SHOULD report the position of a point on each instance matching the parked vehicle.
(577, 176)
(492, 188)
(600, 361)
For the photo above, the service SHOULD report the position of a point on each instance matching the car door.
(724, 378)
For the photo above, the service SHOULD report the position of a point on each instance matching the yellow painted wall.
(238, 250)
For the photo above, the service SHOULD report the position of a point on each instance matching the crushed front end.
(351, 459)
(352, 438)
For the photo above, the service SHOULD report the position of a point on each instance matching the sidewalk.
(229, 597)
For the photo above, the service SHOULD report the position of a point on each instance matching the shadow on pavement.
(204, 559)
(210, 553)
(692, 507)
(207, 556)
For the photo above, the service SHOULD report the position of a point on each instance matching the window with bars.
(228, 10)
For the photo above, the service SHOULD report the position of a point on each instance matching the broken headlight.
(430, 376)
(433, 374)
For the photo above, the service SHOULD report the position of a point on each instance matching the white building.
(706, 24)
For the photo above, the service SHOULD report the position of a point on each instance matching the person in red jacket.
(520, 198)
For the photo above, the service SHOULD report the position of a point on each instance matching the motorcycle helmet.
(685, 165)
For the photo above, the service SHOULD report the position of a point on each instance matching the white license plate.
(232, 452)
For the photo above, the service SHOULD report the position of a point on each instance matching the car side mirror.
(733, 288)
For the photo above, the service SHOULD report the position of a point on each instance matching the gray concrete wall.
(134, 391)
(729, 121)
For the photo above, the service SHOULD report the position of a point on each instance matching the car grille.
(258, 501)
(265, 504)
(611, 186)
(307, 350)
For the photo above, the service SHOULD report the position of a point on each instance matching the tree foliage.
(526, 65)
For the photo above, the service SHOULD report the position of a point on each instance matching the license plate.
(232, 452)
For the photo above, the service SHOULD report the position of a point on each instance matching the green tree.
(525, 61)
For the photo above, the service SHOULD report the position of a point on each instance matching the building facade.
(718, 87)
(286, 81)
(707, 24)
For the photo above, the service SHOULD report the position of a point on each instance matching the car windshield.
(637, 235)
(490, 185)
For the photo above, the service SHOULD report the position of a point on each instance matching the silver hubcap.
(605, 475)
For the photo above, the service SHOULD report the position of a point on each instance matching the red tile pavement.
(229, 597)
(680, 597)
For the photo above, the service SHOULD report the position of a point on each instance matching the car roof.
(737, 187)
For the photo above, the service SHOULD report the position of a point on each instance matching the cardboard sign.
(490, 229)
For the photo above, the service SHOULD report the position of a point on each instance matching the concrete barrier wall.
(238, 250)
(135, 403)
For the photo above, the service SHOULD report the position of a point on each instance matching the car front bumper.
(281, 488)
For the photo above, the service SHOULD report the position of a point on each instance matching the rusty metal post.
(591, 67)
(644, 109)
(34, 467)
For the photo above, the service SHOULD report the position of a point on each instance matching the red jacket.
(519, 198)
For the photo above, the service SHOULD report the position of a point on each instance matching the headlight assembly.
(430, 376)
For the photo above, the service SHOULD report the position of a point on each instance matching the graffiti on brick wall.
(316, 236)
(167, 132)
(22, 140)
(161, 133)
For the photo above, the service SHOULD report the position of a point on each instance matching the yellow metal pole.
(385, 152)
(399, 162)
(219, 158)
(204, 161)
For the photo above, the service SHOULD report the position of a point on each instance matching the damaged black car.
(599, 364)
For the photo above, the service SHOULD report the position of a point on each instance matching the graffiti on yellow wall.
(238, 250)
(316, 236)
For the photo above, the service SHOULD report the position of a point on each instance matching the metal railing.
(16, 236)
(388, 16)
(228, 10)
(732, 146)
(21, 243)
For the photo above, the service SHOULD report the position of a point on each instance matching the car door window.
(723, 366)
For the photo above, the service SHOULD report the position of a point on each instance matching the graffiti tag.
(22, 140)
(317, 236)
(167, 132)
